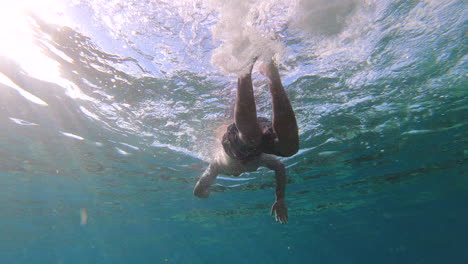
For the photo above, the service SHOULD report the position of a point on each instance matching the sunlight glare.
(27, 95)
(17, 34)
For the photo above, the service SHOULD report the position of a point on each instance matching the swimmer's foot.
(249, 67)
(252, 63)
(269, 70)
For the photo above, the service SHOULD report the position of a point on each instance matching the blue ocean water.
(108, 112)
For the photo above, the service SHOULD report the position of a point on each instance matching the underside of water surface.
(109, 110)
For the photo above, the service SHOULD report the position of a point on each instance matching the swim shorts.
(236, 149)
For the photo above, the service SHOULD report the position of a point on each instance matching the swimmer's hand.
(280, 211)
(202, 188)
(201, 191)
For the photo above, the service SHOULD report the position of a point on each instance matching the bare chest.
(229, 166)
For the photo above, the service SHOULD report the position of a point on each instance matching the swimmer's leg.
(245, 112)
(284, 120)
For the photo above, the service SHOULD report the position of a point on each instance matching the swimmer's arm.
(279, 208)
(202, 188)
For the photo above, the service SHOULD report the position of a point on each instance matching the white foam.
(130, 146)
(29, 96)
(22, 122)
(246, 29)
(89, 113)
(70, 135)
(253, 28)
(234, 179)
(122, 152)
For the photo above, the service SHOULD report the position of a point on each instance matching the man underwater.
(251, 142)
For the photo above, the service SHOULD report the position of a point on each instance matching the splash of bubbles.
(247, 29)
